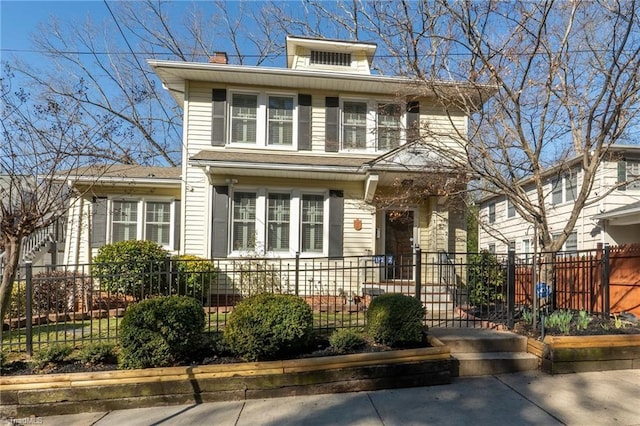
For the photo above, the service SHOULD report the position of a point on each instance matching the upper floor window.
(388, 129)
(629, 171)
(564, 189)
(354, 125)
(492, 213)
(244, 118)
(280, 130)
(260, 119)
(330, 58)
(511, 209)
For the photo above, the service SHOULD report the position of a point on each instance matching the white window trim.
(563, 182)
(262, 120)
(141, 228)
(371, 141)
(295, 226)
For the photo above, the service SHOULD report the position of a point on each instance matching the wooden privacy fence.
(605, 280)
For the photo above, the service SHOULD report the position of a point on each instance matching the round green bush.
(133, 267)
(195, 276)
(395, 320)
(346, 340)
(160, 332)
(266, 326)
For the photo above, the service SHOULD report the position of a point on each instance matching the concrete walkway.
(530, 398)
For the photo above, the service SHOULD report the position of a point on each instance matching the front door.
(398, 241)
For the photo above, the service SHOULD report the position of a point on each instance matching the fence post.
(605, 281)
(297, 278)
(511, 288)
(418, 263)
(167, 272)
(28, 308)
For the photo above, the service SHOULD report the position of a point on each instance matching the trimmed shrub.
(395, 320)
(160, 332)
(52, 354)
(98, 353)
(195, 276)
(346, 340)
(133, 267)
(266, 326)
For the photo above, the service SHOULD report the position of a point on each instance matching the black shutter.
(177, 224)
(220, 231)
(413, 121)
(336, 223)
(332, 129)
(218, 118)
(304, 122)
(99, 223)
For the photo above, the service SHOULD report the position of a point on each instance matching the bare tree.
(542, 82)
(40, 142)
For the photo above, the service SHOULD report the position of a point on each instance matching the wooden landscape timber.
(54, 394)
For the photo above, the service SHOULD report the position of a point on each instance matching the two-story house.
(612, 213)
(294, 160)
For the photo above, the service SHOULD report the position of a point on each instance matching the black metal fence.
(80, 304)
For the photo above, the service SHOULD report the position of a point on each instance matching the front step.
(479, 352)
(488, 363)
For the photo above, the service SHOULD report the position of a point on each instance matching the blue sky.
(19, 19)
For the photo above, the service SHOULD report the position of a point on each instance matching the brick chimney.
(218, 58)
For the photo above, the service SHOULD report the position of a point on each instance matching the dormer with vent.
(329, 55)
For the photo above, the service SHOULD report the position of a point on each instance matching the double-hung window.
(124, 221)
(142, 220)
(312, 223)
(244, 118)
(280, 117)
(388, 126)
(278, 221)
(564, 189)
(511, 209)
(492, 213)
(244, 220)
(158, 222)
(354, 125)
(629, 171)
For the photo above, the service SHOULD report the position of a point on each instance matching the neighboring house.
(286, 161)
(614, 219)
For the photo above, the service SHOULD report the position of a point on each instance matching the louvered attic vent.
(331, 58)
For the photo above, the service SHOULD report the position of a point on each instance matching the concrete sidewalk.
(598, 398)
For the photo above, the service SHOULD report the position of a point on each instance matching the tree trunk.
(10, 268)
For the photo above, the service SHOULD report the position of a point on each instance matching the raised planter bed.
(573, 354)
(54, 394)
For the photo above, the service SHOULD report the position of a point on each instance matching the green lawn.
(79, 333)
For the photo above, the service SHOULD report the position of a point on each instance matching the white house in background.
(615, 219)
(280, 161)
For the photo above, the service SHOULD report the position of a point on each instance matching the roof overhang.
(175, 74)
(628, 215)
(369, 49)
